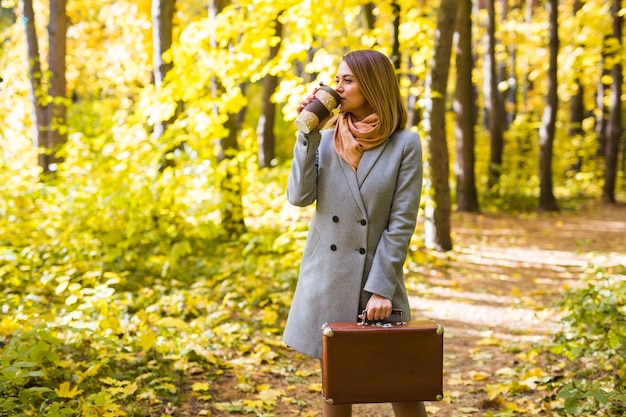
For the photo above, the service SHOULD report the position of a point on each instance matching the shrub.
(593, 339)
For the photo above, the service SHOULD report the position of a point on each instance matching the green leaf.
(600, 395)
(567, 391)
(572, 405)
(24, 364)
(40, 390)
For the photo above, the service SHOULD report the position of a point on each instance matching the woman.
(365, 176)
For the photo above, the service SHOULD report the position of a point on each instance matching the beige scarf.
(352, 138)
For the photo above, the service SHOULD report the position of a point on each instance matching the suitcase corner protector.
(439, 397)
(329, 401)
(327, 331)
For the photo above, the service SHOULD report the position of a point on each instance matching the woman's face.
(352, 100)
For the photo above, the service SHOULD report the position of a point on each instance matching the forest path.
(495, 294)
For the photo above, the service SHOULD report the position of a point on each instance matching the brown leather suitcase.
(365, 363)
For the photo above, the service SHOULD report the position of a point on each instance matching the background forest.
(144, 233)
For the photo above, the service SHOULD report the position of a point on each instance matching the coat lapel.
(355, 181)
(368, 160)
(350, 177)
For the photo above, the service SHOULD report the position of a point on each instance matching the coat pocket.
(312, 242)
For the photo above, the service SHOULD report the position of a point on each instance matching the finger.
(374, 314)
(301, 106)
(304, 103)
(379, 312)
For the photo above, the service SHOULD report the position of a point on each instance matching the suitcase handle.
(365, 322)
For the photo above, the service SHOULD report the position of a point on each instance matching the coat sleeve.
(302, 181)
(393, 246)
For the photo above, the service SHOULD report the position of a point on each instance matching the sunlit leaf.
(507, 372)
(147, 339)
(200, 386)
(478, 375)
(489, 341)
(317, 387)
(270, 394)
(468, 410)
(65, 391)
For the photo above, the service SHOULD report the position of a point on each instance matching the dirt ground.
(495, 294)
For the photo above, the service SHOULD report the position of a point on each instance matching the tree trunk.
(56, 110)
(576, 103)
(162, 38)
(233, 219)
(614, 126)
(504, 75)
(577, 115)
(231, 183)
(525, 143)
(437, 213)
(162, 25)
(395, 36)
(465, 109)
(35, 74)
(493, 100)
(602, 113)
(266, 136)
(162, 21)
(413, 106)
(368, 14)
(548, 123)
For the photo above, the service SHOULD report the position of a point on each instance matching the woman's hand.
(306, 101)
(378, 308)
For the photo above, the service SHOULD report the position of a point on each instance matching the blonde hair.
(379, 85)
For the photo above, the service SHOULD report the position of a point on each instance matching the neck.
(357, 117)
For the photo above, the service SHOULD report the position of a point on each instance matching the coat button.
(335, 219)
(305, 143)
(362, 251)
(363, 222)
(333, 247)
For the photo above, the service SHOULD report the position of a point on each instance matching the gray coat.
(360, 232)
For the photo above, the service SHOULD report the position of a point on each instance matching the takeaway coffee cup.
(326, 100)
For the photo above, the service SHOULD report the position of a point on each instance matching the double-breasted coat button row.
(363, 222)
(333, 247)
